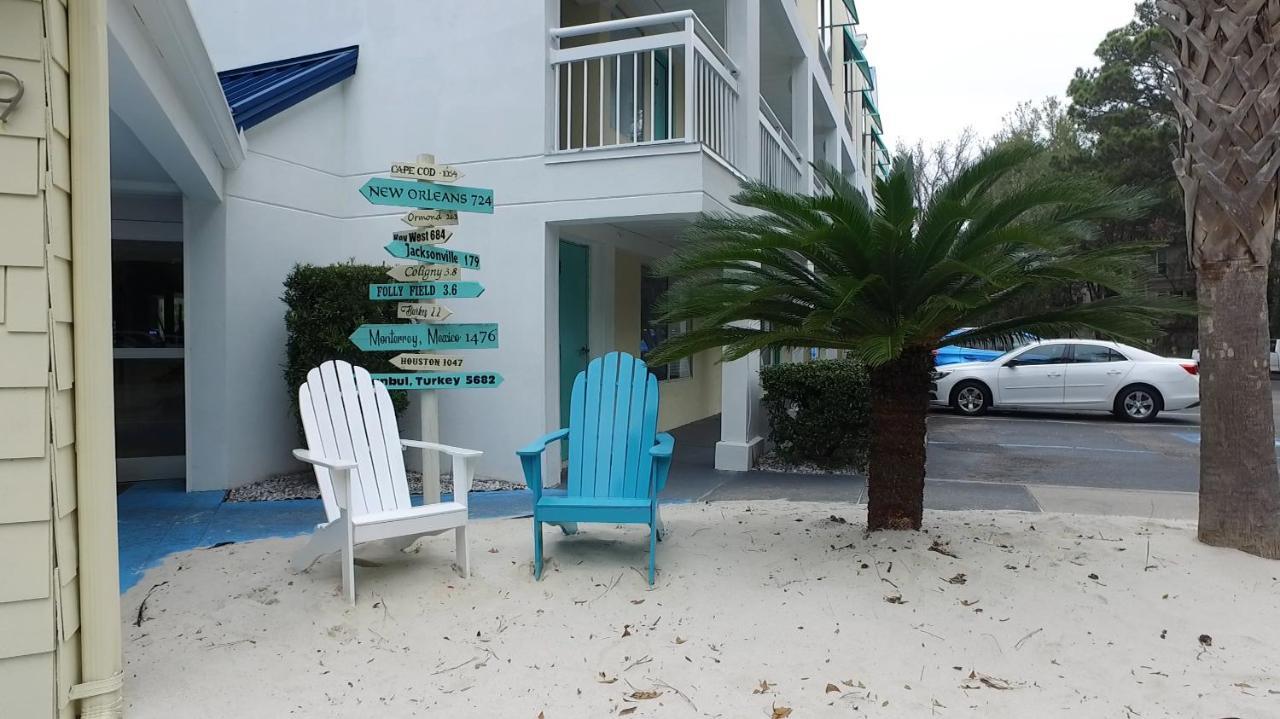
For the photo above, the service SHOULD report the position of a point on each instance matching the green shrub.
(819, 412)
(324, 306)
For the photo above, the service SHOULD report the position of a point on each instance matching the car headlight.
(937, 375)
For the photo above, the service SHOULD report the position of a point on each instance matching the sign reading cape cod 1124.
(437, 277)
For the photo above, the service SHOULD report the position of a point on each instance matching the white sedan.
(1071, 374)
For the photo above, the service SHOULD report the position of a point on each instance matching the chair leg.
(348, 560)
(537, 549)
(653, 550)
(325, 540)
(662, 528)
(464, 557)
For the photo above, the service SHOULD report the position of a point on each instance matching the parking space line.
(1040, 420)
(1050, 446)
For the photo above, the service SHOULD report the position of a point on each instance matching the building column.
(740, 440)
(802, 119)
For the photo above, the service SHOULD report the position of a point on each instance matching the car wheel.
(971, 398)
(1138, 403)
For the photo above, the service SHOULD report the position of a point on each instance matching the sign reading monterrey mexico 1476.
(383, 338)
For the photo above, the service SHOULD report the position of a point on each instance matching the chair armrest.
(326, 462)
(442, 448)
(531, 460)
(661, 453)
(539, 445)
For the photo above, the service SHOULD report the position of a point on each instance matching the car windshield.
(994, 345)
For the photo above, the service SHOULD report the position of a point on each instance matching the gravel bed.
(302, 485)
(771, 462)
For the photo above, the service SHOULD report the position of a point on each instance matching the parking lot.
(1082, 449)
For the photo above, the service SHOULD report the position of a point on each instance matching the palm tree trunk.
(899, 408)
(1227, 65)
(1239, 487)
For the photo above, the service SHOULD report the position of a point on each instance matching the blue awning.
(258, 92)
(870, 104)
(853, 11)
(853, 54)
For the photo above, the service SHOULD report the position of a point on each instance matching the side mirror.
(1012, 364)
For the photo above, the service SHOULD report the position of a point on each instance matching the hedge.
(819, 412)
(324, 306)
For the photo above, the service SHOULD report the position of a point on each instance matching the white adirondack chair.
(354, 445)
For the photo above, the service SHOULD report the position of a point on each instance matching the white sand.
(747, 593)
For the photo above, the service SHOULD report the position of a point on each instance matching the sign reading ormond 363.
(427, 195)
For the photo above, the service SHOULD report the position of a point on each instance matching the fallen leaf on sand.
(1093, 576)
(606, 679)
(943, 548)
(831, 688)
(637, 601)
(781, 712)
(626, 630)
(680, 640)
(628, 710)
(1206, 640)
(977, 680)
(969, 602)
(645, 694)
(895, 599)
(764, 687)
(958, 579)
(541, 715)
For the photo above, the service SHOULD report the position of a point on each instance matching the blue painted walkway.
(159, 518)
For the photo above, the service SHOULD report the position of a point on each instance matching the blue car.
(975, 351)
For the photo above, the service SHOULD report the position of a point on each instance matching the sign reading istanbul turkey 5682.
(439, 380)
(427, 195)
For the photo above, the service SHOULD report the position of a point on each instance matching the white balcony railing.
(781, 163)
(674, 86)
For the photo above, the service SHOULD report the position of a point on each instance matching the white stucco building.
(603, 127)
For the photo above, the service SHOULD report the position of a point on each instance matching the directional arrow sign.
(426, 362)
(431, 218)
(384, 338)
(425, 290)
(427, 195)
(440, 380)
(423, 311)
(434, 255)
(424, 273)
(425, 235)
(426, 171)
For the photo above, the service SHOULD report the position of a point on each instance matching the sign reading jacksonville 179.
(427, 195)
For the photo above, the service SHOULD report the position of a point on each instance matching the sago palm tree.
(886, 282)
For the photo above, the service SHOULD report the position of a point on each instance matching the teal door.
(574, 342)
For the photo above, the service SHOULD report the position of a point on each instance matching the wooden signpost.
(424, 273)
(434, 207)
(428, 171)
(436, 255)
(425, 290)
(431, 218)
(425, 311)
(425, 235)
(427, 362)
(439, 380)
(383, 338)
(427, 195)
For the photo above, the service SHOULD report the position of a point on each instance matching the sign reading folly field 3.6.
(434, 206)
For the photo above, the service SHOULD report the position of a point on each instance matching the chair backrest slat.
(613, 420)
(347, 415)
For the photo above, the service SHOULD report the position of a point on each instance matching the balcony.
(668, 81)
(781, 162)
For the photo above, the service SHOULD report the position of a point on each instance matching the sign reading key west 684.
(385, 338)
(427, 195)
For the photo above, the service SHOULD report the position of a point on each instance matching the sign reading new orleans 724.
(383, 338)
(427, 195)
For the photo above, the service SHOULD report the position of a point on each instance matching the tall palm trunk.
(1227, 63)
(899, 408)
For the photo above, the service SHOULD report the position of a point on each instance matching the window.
(1162, 261)
(1095, 353)
(654, 333)
(1044, 354)
(825, 23)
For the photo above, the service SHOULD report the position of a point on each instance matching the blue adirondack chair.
(618, 461)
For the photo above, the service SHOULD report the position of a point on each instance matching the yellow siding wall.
(39, 615)
(683, 400)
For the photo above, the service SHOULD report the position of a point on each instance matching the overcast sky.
(946, 64)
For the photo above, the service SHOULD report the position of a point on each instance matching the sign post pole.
(429, 414)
